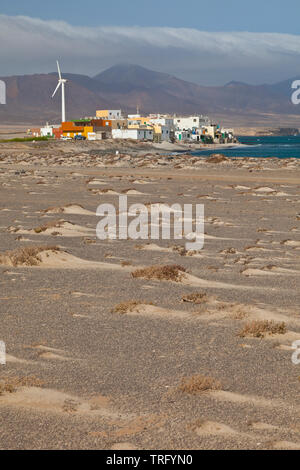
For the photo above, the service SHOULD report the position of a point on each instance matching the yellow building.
(139, 121)
(109, 113)
(70, 130)
(157, 133)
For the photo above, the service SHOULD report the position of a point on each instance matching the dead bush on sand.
(195, 298)
(126, 263)
(162, 273)
(26, 256)
(179, 249)
(128, 306)
(229, 251)
(56, 210)
(260, 328)
(51, 224)
(198, 384)
(238, 314)
(106, 190)
(59, 210)
(88, 241)
(11, 384)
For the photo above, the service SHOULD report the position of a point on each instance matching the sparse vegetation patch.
(195, 298)
(198, 384)
(11, 384)
(162, 273)
(261, 328)
(25, 256)
(51, 224)
(128, 306)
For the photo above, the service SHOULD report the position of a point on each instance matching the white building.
(191, 122)
(92, 136)
(165, 133)
(46, 131)
(196, 136)
(163, 121)
(135, 134)
(211, 130)
(134, 116)
(182, 135)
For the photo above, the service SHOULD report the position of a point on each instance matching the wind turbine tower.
(61, 82)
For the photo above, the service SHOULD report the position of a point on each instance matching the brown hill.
(127, 86)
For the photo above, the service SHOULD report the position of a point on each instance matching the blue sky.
(217, 15)
(210, 43)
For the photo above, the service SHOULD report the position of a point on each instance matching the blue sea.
(262, 147)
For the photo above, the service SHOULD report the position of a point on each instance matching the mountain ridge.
(127, 86)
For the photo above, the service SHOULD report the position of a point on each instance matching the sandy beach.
(125, 344)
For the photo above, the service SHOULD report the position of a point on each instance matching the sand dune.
(68, 209)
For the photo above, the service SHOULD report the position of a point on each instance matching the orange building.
(69, 129)
(57, 132)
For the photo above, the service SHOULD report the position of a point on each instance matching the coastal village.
(112, 124)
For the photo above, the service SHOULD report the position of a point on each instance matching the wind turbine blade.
(58, 68)
(58, 85)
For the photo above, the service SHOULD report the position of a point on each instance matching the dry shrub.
(260, 328)
(172, 272)
(105, 190)
(51, 224)
(126, 263)
(269, 267)
(198, 384)
(180, 250)
(59, 210)
(196, 298)
(27, 256)
(11, 385)
(229, 251)
(88, 241)
(238, 314)
(125, 307)
(128, 306)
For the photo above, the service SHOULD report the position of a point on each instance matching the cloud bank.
(30, 45)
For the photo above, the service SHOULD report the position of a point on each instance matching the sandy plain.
(98, 358)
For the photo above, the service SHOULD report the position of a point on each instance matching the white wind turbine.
(61, 82)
